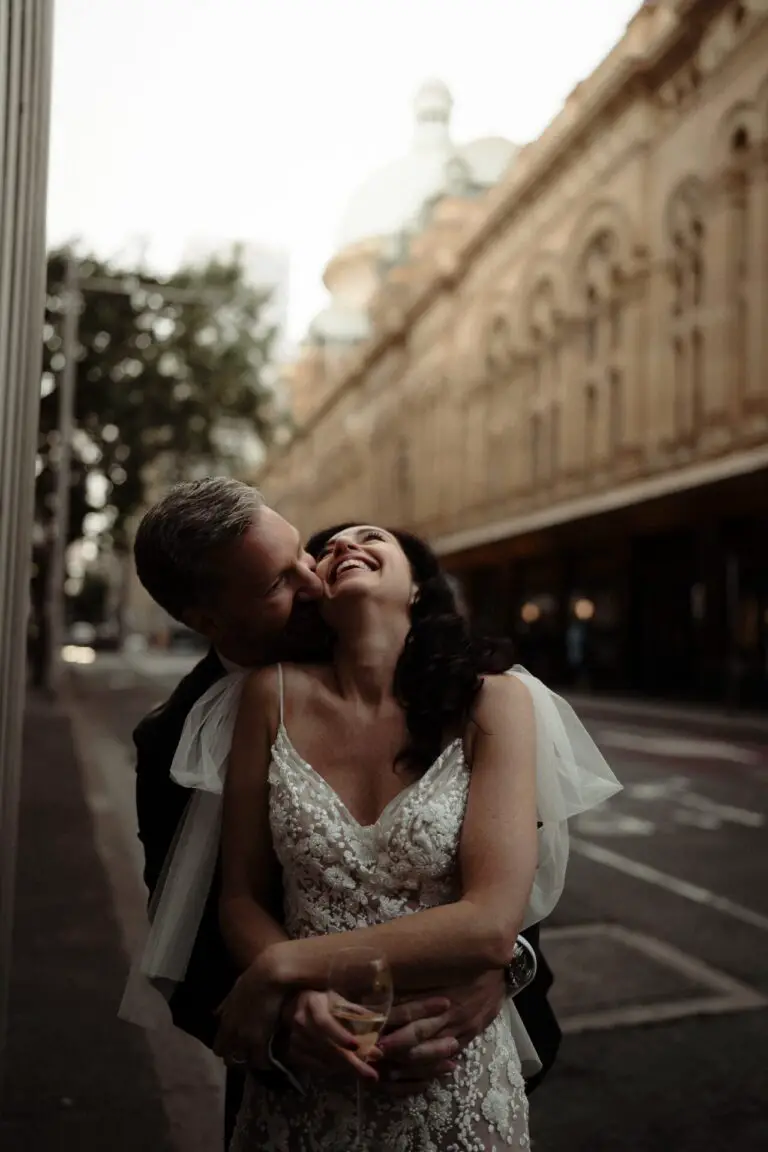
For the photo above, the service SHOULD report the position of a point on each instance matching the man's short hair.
(179, 540)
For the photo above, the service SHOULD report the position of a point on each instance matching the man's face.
(262, 574)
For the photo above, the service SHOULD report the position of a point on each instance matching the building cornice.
(595, 504)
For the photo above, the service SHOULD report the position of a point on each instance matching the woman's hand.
(313, 1041)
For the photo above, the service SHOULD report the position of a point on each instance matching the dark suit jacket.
(160, 804)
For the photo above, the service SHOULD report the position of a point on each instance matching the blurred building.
(562, 381)
(380, 235)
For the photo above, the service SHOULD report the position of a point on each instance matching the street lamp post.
(57, 564)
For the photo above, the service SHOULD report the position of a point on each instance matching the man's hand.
(248, 1018)
(312, 1042)
(423, 1035)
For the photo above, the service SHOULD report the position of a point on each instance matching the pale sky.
(255, 120)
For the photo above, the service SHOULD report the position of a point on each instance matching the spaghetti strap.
(281, 693)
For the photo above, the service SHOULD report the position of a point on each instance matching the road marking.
(730, 995)
(723, 812)
(671, 884)
(680, 805)
(607, 822)
(676, 747)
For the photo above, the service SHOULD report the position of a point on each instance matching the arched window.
(600, 289)
(544, 341)
(686, 321)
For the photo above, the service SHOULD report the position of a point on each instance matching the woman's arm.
(251, 901)
(497, 858)
(251, 890)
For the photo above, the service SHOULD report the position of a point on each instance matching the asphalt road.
(659, 945)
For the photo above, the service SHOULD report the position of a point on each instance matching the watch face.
(522, 969)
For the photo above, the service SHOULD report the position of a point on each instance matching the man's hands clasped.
(422, 1038)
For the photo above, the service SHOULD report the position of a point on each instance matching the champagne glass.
(360, 992)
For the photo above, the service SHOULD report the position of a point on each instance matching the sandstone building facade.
(564, 381)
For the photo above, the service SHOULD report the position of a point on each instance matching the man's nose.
(310, 586)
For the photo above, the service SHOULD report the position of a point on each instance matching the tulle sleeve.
(572, 776)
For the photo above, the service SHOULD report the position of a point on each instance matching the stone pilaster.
(25, 83)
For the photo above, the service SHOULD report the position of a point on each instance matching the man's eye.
(278, 583)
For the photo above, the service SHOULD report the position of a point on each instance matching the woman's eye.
(374, 536)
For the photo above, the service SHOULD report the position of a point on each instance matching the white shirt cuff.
(281, 1067)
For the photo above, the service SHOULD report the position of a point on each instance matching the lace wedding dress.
(339, 875)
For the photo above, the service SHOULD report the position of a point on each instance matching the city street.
(658, 946)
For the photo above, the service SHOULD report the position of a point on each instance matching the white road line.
(672, 884)
(726, 993)
(682, 747)
(725, 812)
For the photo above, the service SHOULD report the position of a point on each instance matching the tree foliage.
(173, 379)
(172, 386)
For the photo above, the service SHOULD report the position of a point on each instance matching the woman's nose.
(344, 545)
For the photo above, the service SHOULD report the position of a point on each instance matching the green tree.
(165, 389)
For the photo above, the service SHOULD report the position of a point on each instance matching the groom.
(217, 559)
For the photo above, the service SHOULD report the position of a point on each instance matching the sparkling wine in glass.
(360, 990)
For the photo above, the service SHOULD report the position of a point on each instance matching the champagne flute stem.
(360, 1114)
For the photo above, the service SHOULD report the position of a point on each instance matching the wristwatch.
(521, 969)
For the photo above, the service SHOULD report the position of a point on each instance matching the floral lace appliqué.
(339, 875)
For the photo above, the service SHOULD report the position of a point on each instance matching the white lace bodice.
(339, 875)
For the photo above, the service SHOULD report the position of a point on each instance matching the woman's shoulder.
(264, 685)
(502, 696)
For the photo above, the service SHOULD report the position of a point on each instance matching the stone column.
(659, 432)
(25, 85)
(632, 363)
(756, 398)
(719, 368)
(570, 382)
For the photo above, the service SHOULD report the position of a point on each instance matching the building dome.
(394, 205)
(392, 199)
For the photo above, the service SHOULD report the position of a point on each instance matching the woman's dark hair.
(441, 669)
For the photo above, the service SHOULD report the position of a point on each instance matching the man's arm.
(160, 802)
(160, 805)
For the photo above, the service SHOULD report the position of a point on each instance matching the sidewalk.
(78, 1079)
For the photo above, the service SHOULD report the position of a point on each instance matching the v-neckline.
(282, 734)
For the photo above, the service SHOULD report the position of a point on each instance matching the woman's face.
(364, 561)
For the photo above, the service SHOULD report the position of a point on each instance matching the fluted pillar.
(720, 359)
(756, 398)
(26, 28)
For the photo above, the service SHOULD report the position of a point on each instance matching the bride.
(403, 797)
